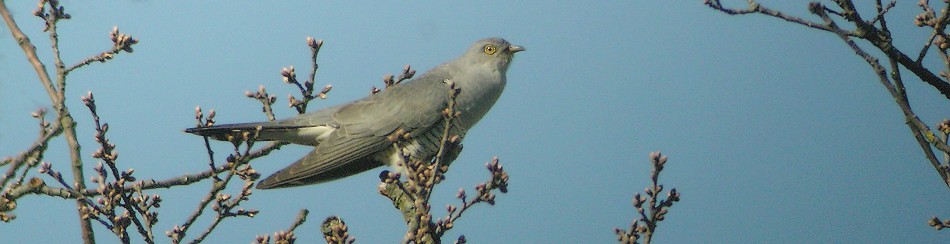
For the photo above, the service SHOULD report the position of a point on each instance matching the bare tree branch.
(56, 97)
(877, 33)
(863, 30)
(412, 195)
(656, 210)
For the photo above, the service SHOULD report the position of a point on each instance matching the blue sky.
(775, 133)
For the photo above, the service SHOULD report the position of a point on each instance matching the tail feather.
(222, 132)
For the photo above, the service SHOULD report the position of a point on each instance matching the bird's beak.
(515, 48)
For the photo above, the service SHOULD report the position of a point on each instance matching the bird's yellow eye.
(490, 49)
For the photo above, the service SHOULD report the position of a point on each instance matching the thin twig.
(301, 218)
(448, 116)
(645, 225)
(755, 7)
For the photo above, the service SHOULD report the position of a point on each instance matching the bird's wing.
(415, 104)
(362, 130)
(331, 160)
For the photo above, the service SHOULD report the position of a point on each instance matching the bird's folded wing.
(333, 159)
(410, 106)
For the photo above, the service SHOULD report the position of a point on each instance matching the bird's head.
(495, 53)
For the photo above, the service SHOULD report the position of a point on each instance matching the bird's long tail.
(268, 130)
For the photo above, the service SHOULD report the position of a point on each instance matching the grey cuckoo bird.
(352, 137)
